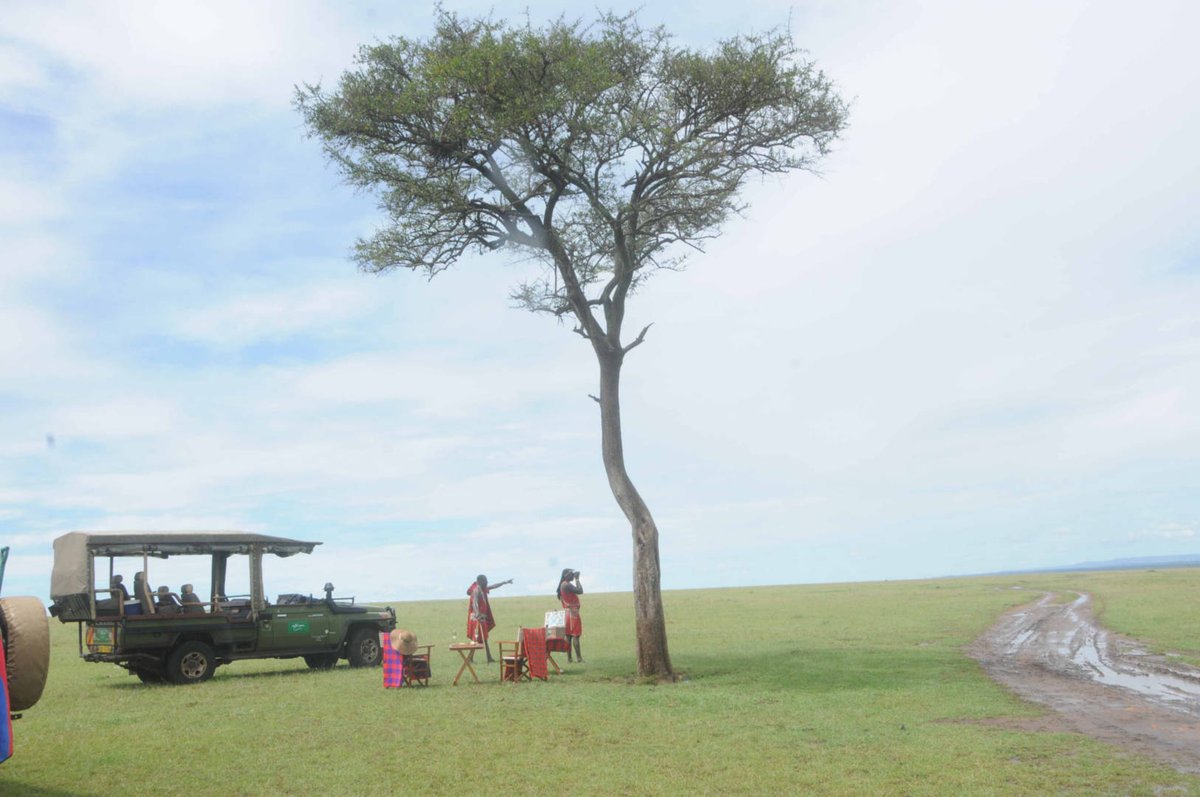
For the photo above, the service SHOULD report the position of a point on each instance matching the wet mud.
(1098, 683)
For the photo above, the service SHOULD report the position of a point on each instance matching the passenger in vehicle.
(165, 601)
(117, 585)
(191, 601)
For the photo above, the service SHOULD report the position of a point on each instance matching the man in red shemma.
(569, 590)
(480, 621)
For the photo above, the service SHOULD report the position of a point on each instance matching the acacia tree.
(605, 152)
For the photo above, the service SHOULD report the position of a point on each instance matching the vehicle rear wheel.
(26, 636)
(363, 649)
(191, 663)
(321, 661)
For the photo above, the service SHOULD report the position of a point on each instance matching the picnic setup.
(530, 655)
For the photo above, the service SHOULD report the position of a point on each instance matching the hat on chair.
(403, 642)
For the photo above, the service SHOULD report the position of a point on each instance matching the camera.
(574, 574)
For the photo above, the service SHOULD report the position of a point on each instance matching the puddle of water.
(1087, 647)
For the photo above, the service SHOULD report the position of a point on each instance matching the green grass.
(854, 689)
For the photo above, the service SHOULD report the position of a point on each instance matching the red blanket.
(534, 640)
(393, 663)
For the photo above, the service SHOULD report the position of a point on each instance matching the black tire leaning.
(321, 661)
(148, 677)
(363, 648)
(191, 663)
(26, 633)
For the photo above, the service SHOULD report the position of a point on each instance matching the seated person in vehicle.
(191, 601)
(165, 601)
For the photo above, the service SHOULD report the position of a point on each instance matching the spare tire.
(26, 633)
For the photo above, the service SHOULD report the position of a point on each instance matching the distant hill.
(1136, 563)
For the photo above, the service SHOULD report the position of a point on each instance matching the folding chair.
(524, 659)
(416, 666)
(514, 665)
(555, 646)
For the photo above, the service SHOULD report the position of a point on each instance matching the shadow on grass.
(814, 670)
(820, 670)
(10, 789)
(133, 683)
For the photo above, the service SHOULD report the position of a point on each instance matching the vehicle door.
(295, 627)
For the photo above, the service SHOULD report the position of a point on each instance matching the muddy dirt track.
(1098, 683)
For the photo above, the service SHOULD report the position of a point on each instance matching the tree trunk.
(651, 625)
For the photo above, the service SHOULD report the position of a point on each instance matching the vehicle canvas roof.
(129, 543)
(71, 550)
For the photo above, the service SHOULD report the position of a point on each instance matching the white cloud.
(24, 202)
(1167, 531)
(180, 54)
(247, 318)
(124, 417)
(19, 72)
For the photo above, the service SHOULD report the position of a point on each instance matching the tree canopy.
(603, 146)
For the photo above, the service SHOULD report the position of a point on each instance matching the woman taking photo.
(569, 590)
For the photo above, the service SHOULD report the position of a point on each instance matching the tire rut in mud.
(1097, 682)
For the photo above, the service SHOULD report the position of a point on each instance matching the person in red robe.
(480, 621)
(569, 590)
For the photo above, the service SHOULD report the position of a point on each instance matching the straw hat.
(403, 642)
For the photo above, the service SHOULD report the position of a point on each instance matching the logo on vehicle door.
(298, 627)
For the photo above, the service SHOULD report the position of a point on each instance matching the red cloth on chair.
(393, 663)
(534, 640)
(557, 646)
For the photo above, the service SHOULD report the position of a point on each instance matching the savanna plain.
(844, 689)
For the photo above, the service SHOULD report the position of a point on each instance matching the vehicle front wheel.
(191, 663)
(363, 649)
(321, 661)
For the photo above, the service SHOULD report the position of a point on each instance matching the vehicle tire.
(26, 633)
(363, 648)
(321, 661)
(191, 663)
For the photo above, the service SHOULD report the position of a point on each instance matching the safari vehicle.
(163, 636)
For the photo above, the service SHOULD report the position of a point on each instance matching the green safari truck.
(181, 637)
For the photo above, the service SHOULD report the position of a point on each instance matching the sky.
(970, 344)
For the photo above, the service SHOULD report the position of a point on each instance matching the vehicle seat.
(142, 593)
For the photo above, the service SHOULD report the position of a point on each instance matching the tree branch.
(638, 340)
